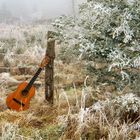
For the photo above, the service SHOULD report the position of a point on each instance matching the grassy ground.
(41, 120)
(79, 111)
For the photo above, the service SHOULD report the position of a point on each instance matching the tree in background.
(105, 32)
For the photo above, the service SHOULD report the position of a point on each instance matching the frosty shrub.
(125, 107)
(106, 31)
(112, 118)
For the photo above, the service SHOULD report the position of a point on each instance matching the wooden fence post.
(49, 69)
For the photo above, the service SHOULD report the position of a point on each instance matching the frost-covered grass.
(82, 109)
(69, 118)
(32, 55)
(22, 44)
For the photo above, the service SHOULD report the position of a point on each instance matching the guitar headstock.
(44, 62)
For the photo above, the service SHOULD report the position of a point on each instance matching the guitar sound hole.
(24, 92)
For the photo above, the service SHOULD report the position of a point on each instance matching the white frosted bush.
(128, 102)
(119, 105)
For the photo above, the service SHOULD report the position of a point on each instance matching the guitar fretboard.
(28, 87)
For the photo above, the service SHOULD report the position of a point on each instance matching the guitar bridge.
(18, 102)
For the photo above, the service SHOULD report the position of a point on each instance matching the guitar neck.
(33, 79)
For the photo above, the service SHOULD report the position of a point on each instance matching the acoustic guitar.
(20, 99)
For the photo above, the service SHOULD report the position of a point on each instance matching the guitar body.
(19, 102)
(20, 99)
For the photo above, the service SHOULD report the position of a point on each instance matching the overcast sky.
(48, 8)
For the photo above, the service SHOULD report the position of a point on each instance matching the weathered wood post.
(49, 69)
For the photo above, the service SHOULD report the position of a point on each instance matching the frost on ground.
(96, 75)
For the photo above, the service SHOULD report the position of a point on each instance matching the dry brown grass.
(71, 117)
